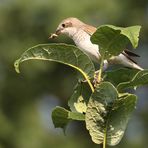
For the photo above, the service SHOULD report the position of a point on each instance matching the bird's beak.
(56, 34)
(58, 31)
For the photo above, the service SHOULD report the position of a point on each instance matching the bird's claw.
(96, 81)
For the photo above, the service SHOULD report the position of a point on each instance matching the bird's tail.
(136, 66)
(126, 61)
(131, 63)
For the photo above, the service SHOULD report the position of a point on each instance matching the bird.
(81, 33)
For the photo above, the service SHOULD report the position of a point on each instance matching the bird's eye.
(63, 25)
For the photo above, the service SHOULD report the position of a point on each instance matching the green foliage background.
(26, 100)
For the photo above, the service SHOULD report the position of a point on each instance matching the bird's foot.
(96, 81)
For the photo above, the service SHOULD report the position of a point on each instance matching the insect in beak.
(56, 34)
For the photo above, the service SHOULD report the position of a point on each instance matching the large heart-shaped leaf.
(107, 114)
(62, 53)
(113, 40)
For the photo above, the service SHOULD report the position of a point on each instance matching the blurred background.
(27, 99)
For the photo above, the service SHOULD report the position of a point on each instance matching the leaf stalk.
(101, 67)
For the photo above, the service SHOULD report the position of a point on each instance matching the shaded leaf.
(107, 114)
(140, 79)
(119, 75)
(113, 40)
(79, 99)
(76, 116)
(61, 117)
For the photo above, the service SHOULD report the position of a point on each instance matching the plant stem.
(104, 140)
(86, 77)
(101, 67)
(103, 145)
(91, 86)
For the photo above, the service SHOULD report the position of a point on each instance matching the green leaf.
(131, 32)
(107, 114)
(61, 117)
(79, 99)
(62, 53)
(119, 75)
(113, 40)
(118, 118)
(140, 79)
(76, 116)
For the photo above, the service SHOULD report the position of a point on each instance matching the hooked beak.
(56, 34)
(58, 31)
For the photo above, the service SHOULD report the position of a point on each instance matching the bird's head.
(69, 26)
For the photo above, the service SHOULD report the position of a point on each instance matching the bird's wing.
(128, 57)
(89, 29)
(128, 52)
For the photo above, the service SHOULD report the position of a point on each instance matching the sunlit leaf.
(107, 114)
(131, 32)
(66, 54)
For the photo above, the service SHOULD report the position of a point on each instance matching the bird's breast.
(82, 41)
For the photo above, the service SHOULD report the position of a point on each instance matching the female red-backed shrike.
(81, 33)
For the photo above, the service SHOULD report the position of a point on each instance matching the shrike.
(81, 33)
